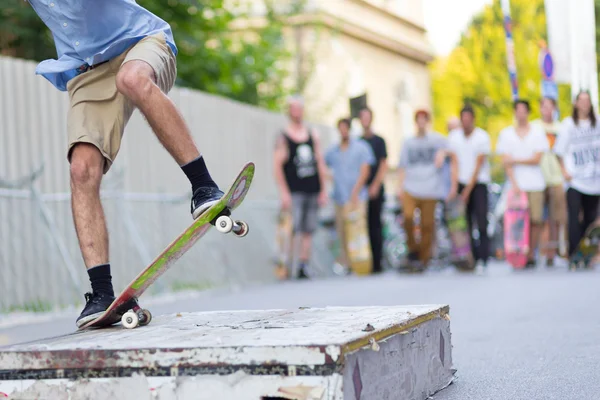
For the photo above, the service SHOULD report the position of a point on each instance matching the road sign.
(549, 87)
(547, 65)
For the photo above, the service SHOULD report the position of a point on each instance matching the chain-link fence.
(145, 195)
(43, 268)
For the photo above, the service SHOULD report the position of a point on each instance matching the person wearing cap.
(420, 185)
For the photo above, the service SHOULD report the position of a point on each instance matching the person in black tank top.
(299, 169)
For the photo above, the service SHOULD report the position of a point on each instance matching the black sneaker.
(203, 198)
(302, 271)
(413, 257)
(530, 264)
(95, 305)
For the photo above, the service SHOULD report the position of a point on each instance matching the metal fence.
(145, 195)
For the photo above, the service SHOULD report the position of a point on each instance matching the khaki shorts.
(98, 113)
(556, 199)
(536, 206)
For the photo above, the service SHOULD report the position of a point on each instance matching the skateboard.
(357, 241)
(516, 229)
(461, 256)
(125, 307)
(587, 248)
(283, 238)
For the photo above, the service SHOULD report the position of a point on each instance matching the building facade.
(347, 48)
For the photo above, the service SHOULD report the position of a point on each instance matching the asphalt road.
(515, 334)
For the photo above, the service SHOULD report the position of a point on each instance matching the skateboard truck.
(225, 224)
(136, 316)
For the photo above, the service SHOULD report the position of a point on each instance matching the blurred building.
(346, 48)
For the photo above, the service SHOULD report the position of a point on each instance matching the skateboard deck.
(283, 238)
(231, 200)
(461, 256)
(357, 241)
(516, 229)
(587, 248)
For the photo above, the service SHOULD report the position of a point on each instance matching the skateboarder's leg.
(96, 120)
(471, 214)
(427, 207)
(409, 204)
(573, 209)
(536, 218)
(145, 77)
(557, 217)
(374, 210)
(589, 204)
(86, 171)
(305, 216)
(340, 226)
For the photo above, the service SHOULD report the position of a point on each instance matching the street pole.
(510, 49)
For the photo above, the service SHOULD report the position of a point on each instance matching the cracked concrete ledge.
(328, 353)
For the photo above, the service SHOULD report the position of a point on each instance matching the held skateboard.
(516, 229)
(357, 244)
(283, 238)
(587, 248)
(125, 307)
(461, 256)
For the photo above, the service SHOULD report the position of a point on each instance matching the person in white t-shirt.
(471, 146)
(578, 149)
(522, 147)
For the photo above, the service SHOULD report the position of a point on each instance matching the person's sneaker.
(302, 271)
(550, 262)
(481, 267)
(203, 198)
(95, 305)
(413, 257)
(530, 264)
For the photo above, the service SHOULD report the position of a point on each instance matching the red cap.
(422, 111)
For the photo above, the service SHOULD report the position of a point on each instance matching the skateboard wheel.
(244, 231)
(146, 317)
(224, 224)
(130, 320)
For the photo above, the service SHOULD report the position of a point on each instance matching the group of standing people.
(434, 168)
(302, 168)
(555, 163)
(558, 166)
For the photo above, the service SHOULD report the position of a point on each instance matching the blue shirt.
(91, 32)
(345, 165)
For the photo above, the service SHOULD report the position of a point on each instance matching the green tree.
(246, 64)
(475, 72)
(22, 33)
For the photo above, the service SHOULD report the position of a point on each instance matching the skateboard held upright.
(461, 256)
(516, 229)
(357, 241)
(587, 248)
(125, 307)
(283, 238)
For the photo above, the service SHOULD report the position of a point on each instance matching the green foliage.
(22, 33)
(243, 65)
(246, 64)
(475, 71)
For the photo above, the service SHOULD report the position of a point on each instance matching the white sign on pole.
(571, 29)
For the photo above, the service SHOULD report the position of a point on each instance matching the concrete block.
(327, 353)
